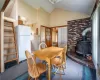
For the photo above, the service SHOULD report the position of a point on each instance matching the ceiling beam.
(95, 6)
(5, 5)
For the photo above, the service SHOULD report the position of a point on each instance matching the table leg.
(49, 71)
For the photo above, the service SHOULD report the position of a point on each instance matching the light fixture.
(54, 1)
(23, 19)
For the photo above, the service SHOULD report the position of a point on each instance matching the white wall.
(60, 17)
(31, 14)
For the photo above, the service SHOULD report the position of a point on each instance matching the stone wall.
(75, 29)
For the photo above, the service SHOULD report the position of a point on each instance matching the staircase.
(10, 47)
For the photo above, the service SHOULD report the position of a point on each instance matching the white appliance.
(23, 34)
(35, 42)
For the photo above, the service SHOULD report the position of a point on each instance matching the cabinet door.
(48, 37)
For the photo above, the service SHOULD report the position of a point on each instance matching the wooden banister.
(5, 5)
(1, 41)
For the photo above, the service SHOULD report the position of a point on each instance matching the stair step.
(13, 47)
(9, 42)
(8, 30)
(9, 54)
(8, 36)
(11, 60)
(6, 25)
(9, 20)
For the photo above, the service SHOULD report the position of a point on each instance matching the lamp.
(22, 19)
(54, 1)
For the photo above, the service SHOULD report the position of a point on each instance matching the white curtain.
(62, 36)
(42, 34)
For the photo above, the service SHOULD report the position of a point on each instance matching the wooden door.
(48, 36)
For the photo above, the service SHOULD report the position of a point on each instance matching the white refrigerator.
(23, 34)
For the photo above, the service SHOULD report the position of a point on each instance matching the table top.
(49, 52)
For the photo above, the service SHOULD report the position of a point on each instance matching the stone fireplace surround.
(75, 29)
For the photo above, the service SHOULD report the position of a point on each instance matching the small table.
(47, 54)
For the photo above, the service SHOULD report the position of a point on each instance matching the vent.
(54, 1)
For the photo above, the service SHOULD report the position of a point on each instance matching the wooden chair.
(34, 69)
(59, 62)
(64, 54)
(42, 45)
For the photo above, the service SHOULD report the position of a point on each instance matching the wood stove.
(83, 46)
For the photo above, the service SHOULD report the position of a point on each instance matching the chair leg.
(46, 74)
(64, 66)
(29, 78)
(63, 71)
(60, 73)
(60, 77)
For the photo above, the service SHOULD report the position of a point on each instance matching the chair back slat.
(42, 45)
(32, 68)
(64, 53)
(30, 59)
